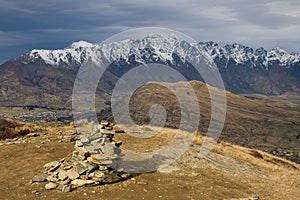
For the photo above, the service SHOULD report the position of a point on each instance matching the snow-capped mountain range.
(155, 48)
(162, 48)
(242, 54)
(47, 76)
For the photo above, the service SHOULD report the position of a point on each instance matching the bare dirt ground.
(228, 172)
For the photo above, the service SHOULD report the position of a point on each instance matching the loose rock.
(80, 183)
(41, 178)
(62, 176)
(50, 186)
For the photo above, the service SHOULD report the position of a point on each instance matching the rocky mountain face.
(245, 70)
(46, 77)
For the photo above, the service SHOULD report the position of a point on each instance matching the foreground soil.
(228, 172)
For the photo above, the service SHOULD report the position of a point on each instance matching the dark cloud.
(54, 24)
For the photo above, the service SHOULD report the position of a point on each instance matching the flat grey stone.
(72, 175)
(66, 188)
(80, 168)
(52, 166)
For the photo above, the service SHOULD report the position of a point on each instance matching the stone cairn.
(90, 164)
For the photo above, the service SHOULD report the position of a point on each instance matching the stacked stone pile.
(90, 164)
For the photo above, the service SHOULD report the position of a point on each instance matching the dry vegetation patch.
(12, 129)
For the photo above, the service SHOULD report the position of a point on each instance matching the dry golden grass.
(195, 179)
(269, 176)
(160, 138)
(254, 156)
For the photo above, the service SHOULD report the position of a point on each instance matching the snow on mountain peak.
(79, 52)
(160, 47)
(82, 44)
(242, 54)
(282, 56)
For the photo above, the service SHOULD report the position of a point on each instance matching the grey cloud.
(55, 24)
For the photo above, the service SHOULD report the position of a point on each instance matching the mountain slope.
(41, 75)
(245, 70)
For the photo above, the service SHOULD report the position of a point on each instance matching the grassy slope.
(265, 125)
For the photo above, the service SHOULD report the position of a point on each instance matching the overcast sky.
(30, 24)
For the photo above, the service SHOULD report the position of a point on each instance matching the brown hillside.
(266, 125)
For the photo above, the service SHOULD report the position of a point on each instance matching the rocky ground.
(229, 171)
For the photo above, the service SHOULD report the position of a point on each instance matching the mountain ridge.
(42, 74)
(81, 51)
